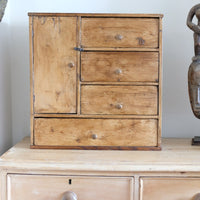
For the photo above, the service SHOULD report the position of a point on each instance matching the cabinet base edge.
(141, 148)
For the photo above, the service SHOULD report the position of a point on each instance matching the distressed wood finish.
(170, 174)
(138, 100)
(120, 32)
(96, 15)
(113, 75)
(54, 77)
(119, 66)
(40, 187)
(165, 188)
(95, 132)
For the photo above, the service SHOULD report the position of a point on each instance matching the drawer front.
(119, 66)
(169, 188)
(40, 187)
(136, 100)
(95, 132)
(119, 32)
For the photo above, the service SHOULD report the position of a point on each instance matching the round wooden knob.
(94, 136)
(71, 65)
(118, 71)
(119, 37)
(119, 106)
(197, 197)
(69, 196)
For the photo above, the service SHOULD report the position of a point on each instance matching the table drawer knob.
(71, 65)
(119, 106)
(118, 71)
(94, 136)
(69, 196)
(119, 37)
(197, 197)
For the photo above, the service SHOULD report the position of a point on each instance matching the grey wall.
(178, 120)
(5, 90)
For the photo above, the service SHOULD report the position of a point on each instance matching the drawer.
(169, 188)
(119, 32)
(136, 100)
(40, 187)
(95, 132)
(119, 66)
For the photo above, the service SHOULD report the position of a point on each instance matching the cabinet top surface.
(176, 155)
(93, 15)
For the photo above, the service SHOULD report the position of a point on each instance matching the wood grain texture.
(54, 80)
(97, 116)
(121, 49)
(42, 187)
(165, 188)
(135, 32)
(119, 66)
(31, 77)
(138, 100)
(95, 132)
(95, 15)
(160, 83)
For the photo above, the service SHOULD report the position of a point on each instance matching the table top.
(176, 155)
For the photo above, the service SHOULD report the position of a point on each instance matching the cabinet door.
(54, 64)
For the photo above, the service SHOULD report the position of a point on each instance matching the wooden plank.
(40, 187)
(138, 100)
(177, 158)
(165, 188)
(109, 148)
(55, 64)
(121, 32)
(160, 84)
(94, 14)
(119, 49)
(119, 66)
(95, 132)
(78, 103)
(119, 83)
(31, 57)
(52, 115)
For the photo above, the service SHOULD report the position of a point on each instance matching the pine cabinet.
(96, 81)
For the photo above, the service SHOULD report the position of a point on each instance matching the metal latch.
(78, 49)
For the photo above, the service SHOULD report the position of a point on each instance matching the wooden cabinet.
(92, 74)
(170, 174)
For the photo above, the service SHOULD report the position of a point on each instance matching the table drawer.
(119, 32)
(40, 187)
(119, 66)
(169, 188)
(95, 132)
(136, 100)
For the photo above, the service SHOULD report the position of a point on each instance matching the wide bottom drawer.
(93, 133)
(40, 187)
(170, 188)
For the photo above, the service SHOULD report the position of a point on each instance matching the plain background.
(178, 120)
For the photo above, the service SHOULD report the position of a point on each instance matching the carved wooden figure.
(194, 69)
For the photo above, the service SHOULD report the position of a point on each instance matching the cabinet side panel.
(55, 64)
(31, 75)
(160, 84)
